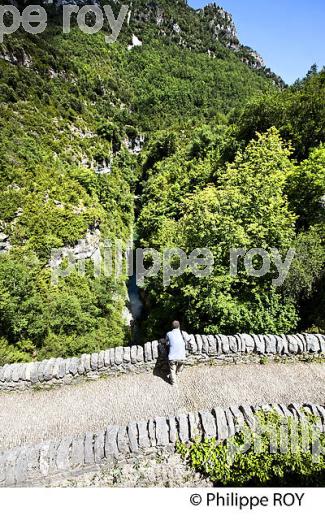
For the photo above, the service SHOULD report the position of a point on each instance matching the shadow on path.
(161, 368)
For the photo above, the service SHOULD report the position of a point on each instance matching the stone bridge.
(52, 404)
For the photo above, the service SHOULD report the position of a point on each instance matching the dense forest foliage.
(231, 159)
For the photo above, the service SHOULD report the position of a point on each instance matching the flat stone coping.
(140, 358)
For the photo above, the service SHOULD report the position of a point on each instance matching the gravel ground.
(33, 416)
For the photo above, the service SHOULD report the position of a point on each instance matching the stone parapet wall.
(72, 456)
(212, 348)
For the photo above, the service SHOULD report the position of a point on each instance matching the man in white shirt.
(177, 341)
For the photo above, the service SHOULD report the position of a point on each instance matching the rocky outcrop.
(135, 42)
(86, 249)
(19, 57)
(60, 3)
(221, 25)
(135, 144)
(218, 349)
(251, 58)
(5, 245)
(103, 167)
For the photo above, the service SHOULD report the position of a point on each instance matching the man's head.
(176, 324)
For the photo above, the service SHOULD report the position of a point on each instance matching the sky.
(289, 34)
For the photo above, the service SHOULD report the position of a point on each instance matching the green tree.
(306, 189)
(248, 209)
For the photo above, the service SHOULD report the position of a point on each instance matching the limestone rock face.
(135, 42)
(60, 3)
(135, 144)
(176, 28)
(221, 25)
(84, 250)
(4, 243)
(18, 58)
(252, 58)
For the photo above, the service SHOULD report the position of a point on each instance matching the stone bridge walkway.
(32, 416)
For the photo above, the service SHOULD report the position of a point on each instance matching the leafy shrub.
(295, 464)
(12, 354)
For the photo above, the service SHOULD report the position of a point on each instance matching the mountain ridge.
(176, 22)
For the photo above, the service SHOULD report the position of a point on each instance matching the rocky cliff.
(202, 29)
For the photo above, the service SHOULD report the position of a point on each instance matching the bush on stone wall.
(270, 459)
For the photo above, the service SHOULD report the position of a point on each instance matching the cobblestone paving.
(32, 416)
